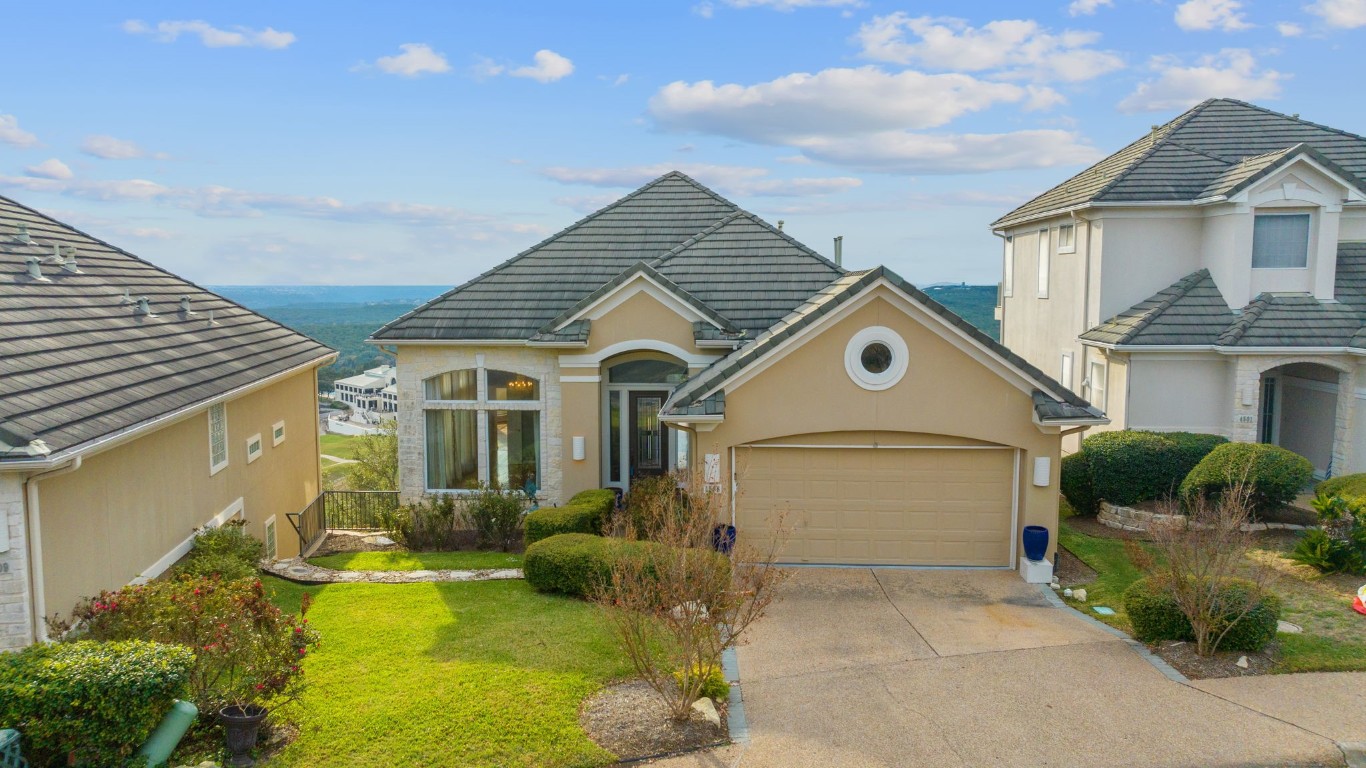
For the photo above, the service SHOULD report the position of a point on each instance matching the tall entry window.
(635, 442)
(482, 425)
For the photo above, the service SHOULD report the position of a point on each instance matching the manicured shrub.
(1128, 466)
(496, 517)
(90, 703)
(1349, 487)
(1273, 474)
(1075, 483)
(433, 524)
(227, 551)
(224, 566)
(569, 563)
(246, 649)
(714, 685)
(586, 512)
(1154, 614)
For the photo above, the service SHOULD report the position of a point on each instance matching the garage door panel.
(895, 506)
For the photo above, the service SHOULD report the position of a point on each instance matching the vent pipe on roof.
(839, 251)
(780, 225)
(144, 307)
(69, 266)
(211, 322)
(22, 236)
(125, 298)
(57, 253)
(185, 305)
(35, 269)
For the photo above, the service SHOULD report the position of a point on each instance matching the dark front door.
(647, 434)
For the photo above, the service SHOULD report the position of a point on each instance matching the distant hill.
(343, 316)
(974, 303)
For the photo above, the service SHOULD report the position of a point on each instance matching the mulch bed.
(629, 720)
(1070, 571)
(1182, 655)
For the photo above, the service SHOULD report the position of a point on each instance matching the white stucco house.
(376, 389)
(1210, 276)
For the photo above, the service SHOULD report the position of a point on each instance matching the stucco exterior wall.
(1042, 330)
(15, 611)
(1144, 253)
(126, 509)
(419, 362)
(944, 393)
(1191, 393)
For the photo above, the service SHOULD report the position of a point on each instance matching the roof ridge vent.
(144, 307)
(22, 236)
(35, 269)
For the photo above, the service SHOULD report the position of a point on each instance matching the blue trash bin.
(723, 538)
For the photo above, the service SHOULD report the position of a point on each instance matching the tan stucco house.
(135, 408)
(673, 330)
(1211, 277)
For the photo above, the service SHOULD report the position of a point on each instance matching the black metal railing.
(350, 510)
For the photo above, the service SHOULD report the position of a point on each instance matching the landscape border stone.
(301, 571)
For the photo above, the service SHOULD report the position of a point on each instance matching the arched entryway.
(1297, 410)
(635, 442)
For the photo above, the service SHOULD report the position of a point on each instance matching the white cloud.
(1087, 7)
(919, 153)
(1014, 48)
(111, 148)
(120, 227)
(549, 67)
(587, 203)
(730, 179)
(211, 36)
(1289, 29)
(1344, 14)
(1232, 72)
(704, 9)
(1198, 15)
(12, 134)
(415, 60)
(50, 169)
(791, 5)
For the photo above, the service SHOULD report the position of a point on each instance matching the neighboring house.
(1211, 276)
(135, 407)
(673, 330)
(374, 390)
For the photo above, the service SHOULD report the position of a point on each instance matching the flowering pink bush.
(247, 650)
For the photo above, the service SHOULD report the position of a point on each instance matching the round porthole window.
(876, 358)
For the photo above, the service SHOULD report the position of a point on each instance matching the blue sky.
(384, 143)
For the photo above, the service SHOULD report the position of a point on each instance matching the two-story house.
(1210, 276)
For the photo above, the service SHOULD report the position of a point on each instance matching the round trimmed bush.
(1258, 626)
(569, 563)
(1154, 614)
(1275, 474)
(1075, 483)
(587, 512)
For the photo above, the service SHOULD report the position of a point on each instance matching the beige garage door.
(890, 506)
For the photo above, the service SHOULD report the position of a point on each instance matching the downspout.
(36, 591)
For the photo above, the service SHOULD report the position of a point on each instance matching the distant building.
(375, 390)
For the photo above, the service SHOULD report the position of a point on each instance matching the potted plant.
(241, 729)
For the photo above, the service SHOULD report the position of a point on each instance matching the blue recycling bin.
(723, 538)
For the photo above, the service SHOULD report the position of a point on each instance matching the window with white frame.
(1008, 275)
(1043, 263)
(277, 433)
(473, 407)
(1280, 240)
(1065, 370)
(254, 448)
(1067, 238)
(218, 437)
(1097, 384)
(272, 545)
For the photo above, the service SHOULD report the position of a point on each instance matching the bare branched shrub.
(676, 605)
(1202, 563)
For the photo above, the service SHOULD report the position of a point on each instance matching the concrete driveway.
(884, 667)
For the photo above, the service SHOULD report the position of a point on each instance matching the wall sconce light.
(1042, 471)
(580, 452)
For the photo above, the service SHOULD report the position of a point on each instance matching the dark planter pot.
(1035, 542)
(241, 726)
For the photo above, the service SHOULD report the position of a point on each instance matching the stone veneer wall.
(1130, 519)
(16, 628)
(417, 363)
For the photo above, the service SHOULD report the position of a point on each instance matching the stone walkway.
(302, 571)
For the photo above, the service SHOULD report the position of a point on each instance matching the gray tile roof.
(639, 268)
(1189, 312)
(81, 363)
(738, 266)
(1192, 312)
(1210, 146)
(1057, 403)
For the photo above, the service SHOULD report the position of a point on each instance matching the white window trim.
(1008, 277)
(278, 428)
(853, 358)
(1065, 370)
(1067, 248)
(482, 406)
(1308, 240)
(1099, 370)
(227, 453)
(1043, 265)
(265, 527)
(260, 447)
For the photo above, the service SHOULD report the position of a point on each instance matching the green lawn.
(459, 674)
(341, 446)
(418, 561)
(1334, 639)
